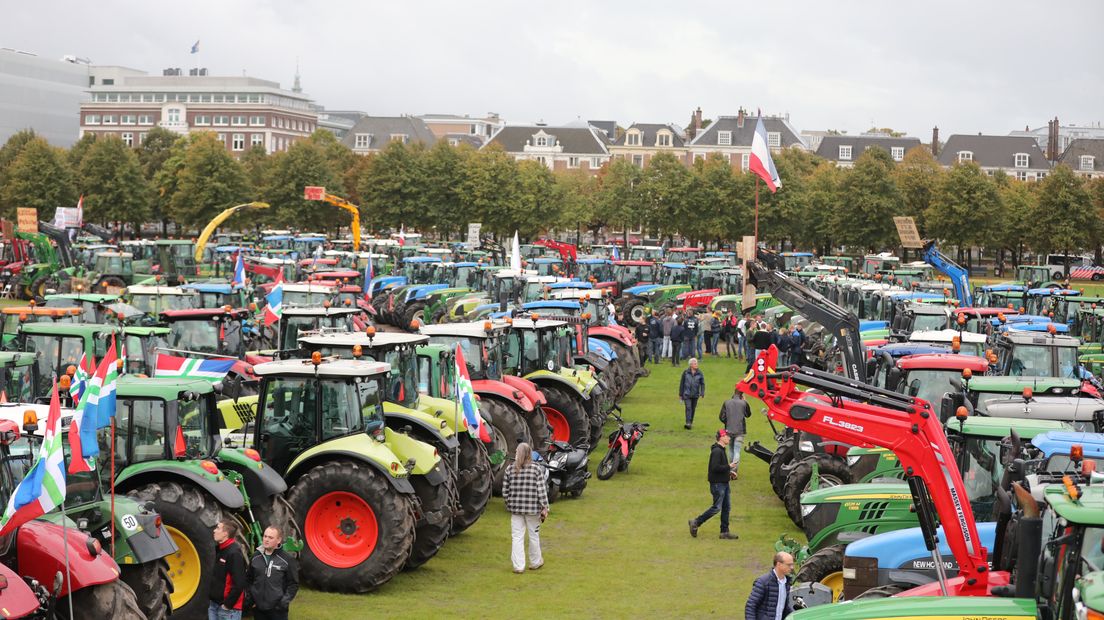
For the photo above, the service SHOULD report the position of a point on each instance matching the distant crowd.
(676, 335)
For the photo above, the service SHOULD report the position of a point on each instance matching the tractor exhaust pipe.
(1029, 531)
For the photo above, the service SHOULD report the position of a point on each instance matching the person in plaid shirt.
(526, 494)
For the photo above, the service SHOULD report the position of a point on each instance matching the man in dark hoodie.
(719, 474)
(227, 591)
(677, 333)
(272, 578)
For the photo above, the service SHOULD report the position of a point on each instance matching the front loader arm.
(209, 229)
(815, 307)
(353, 210)
(960, 278)
(859, 414)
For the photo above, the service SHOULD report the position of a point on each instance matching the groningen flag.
(94, 411)
(43, 488)
(213, 370)
(85, 369)
(465, 396)
(274, 308)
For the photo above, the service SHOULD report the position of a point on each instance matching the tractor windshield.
(292, 326)
(929, 322)
(980, 464)
(155, 304)
(141, 352)
(523, 351)
(476, 354)
(552, 345)
(929, 384)
(113, 264)
(601, 272)
(371, 403)
(200, 336)
(419, 273)
(54, 354)
(1039, 361)
(17, 384)
(305, 298)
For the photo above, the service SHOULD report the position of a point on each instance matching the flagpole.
(112, 456)
(65, 543)
(757, 210)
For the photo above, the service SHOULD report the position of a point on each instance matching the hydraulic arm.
(959, 276)
(353, 210)
(567, 251)
(815, 307)
(98, 231)
(61, 238)
(209, 229)
(851, 412)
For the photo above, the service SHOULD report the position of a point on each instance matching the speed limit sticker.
(130, 523)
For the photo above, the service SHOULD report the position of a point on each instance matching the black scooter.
(566, 468)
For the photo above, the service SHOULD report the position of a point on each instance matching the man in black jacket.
(227, 590)
(718, 486)
(272, 579)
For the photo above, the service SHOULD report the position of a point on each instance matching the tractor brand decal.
(129, 523)
(843, 424)
(957, 501)
(929, 564)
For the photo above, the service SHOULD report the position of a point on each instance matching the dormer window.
(663, 139)
(965, 156)
(1087, 162)
(632, 138)
(845, 153)
(540, 141)
(1021, 160)
(774, 139)
(398, 137)
(724, 138)
(897, 152)
(362, 140)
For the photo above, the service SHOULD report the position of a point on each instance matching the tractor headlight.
(848, 573)
(807, 509)
(851, 460)
(805, 446)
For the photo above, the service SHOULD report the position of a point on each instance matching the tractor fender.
(609, 332)
(224, 491)
(511, 394)
(41, 552)
(17, 600)
(261, 481)
(443, 410)
(243, 369)
(438, 429)
(593, 359)
(546, 377)
(426, 459)
(362, 448)
(527, 387)
(383, 283)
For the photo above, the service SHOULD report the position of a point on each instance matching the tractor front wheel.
(833, 471)
(152, 587)
(826, 568)
(473, 482)
(633, 312)
(566, 406)
(358, 529)
(779, 463)
(189, 515)
(279, 512)
(434, 522)
(509, 430)
(113, 600)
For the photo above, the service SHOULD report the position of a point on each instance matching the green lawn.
(621, 550)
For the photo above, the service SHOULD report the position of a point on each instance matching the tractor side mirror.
(893, 378)
(914, 388)
(949, 404)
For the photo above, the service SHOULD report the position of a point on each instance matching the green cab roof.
(133, 386)
(96, 298)
(15, 359)
(997, 428)
(1086, 510)
(914, 607)
(68, 329)
(147, 331)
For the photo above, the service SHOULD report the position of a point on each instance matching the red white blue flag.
(239, 271)
(465, 396)
(760, 161)
(274, 301)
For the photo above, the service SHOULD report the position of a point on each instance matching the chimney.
(1052, 140)
(695, 124)
(740, 119)
(935, 141)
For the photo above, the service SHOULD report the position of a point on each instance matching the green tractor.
(112, 272)
(94, 306)
(175, 260)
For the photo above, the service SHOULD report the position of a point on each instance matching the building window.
(238, 143)
(745, 161)
(1087, 162)
(128, 119)
(128, 138)
(174, 115)
(541, 141)
(238, 121)
(638, 161)
(222, 120)
(109, 119)
(362, 140)
(965, 156)
(663, 139)
(94, 119)
(205, 98)
(109, 81)
(898, 153)
(774, 139)
(398, 137)
(632, 139)
(145, 119)
(257, 139)
(256, 121)
(1021, 160)
(572, 162)
(1039, 176)
(595, 162)
(699, 156)
(1021, 175)
(845, 153)
(201, 120)
(543, 160)
(222, 138)
(724, 138)
(141, 137)
(473, 129)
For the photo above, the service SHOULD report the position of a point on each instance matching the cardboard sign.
(7, 228)
(906, 230)
(28, 220)
(314, 192)
(746, 249)
(473, 234)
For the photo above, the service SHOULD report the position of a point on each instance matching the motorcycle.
(622, 445)
(566, 468)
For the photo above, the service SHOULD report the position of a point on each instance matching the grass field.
(621, 550)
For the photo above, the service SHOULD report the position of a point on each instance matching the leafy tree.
(1017, 204)
(917, 177)
(663, 194)
(39, 178)
(491, 188)
(392, 187)
(114, 188)
(166, 181)
(352, 176)
(156, 148)
(11, 149)
(781, 212)
(887, 131)
(579, 190)
(255, 164)
(539, 201)
(303, 164)
(721, 200)
(1095, 187)
(963, 206)
(617, 201)
(209, 181)
(1065, 218)
(869, 200)
(823, 197)
(443, 170)
(339, 156)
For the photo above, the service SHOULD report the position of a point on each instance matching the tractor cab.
(147, 407)
(314, 318)
(649, 253)
(112, 272)
(306, 245)
(217, 332)
(1033, 354)
(879, 263)
(94, 307)
(18, 377)
(673, 273)
(419, 269)
(980, 320)
(915, 315)
(14, 316)
(1000, 296)
(630, 273)
(394, 349)
(533, 346)
(795, 261)
(547, 266)
(967, 343)
(141, 347)
(217, 294)
(846, 262)
(277, 241)
(153, 300)
(1044, 301)
(57, 346)
(176, 259)
(1038, 276)
(309, 294)
(682, 255)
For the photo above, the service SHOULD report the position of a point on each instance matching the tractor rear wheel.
(833, 472)
(359, 530)
(435, 519)
(279, 512)
(567, 406)
(189, 515)
(633, 312)
(114, 600)
(539, 430)
(778, 469)
(510, 428)
(414, 311)
(473, 483)
(886, 591)
(152, 587)
(825, 567)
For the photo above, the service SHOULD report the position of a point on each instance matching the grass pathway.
(621, 550)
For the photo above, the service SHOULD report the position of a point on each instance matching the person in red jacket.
(227, 590)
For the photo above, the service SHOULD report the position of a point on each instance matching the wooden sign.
(8, 229)
(314, 192)
(906, 230)
(27, 220)
(747, 252)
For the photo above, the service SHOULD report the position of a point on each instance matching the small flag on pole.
(274, 308)
(760, 161)
(195, 47)
(465, 395)
(239, 271)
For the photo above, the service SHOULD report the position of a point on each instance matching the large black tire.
(540, 433)
(825, 567)
(413, 312)
(434, 518)
(632, 313)
(610, 464)
(114, 600)
(779, 464)
(509, 426)
(279, 512)
(151, 585)
(394, 517)
(473, 480)
(886, 591)
(191, 513)
(833, 472)
(629, 364)
(570, 407)
(438, 316)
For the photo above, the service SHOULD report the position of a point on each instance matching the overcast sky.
(966, 66)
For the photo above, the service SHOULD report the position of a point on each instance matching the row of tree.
(190, 179)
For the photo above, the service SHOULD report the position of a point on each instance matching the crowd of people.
(676, 335)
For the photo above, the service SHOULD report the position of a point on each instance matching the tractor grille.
(859, 575)
(245, 411)
(872, 511)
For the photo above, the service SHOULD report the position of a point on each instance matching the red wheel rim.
(561, 430)
(341, 529)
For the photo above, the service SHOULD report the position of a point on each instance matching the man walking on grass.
(718, 486)
(691, 388)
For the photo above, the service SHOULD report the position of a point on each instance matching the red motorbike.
(622, 445)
